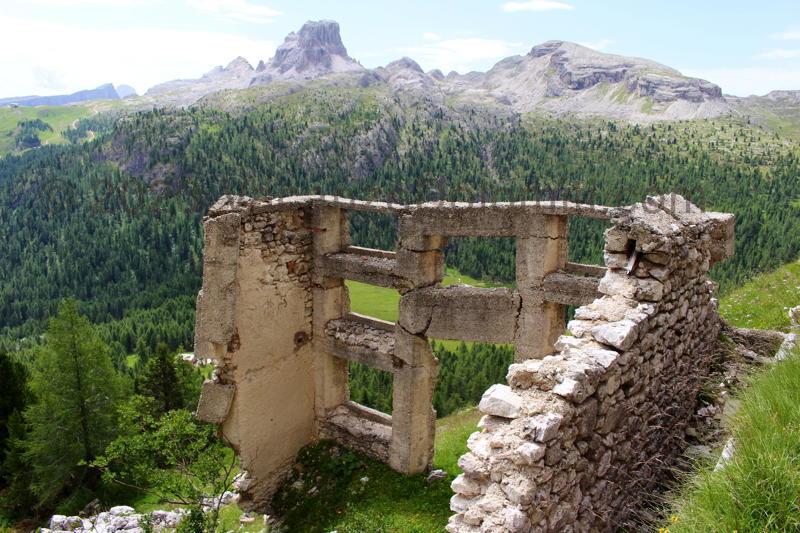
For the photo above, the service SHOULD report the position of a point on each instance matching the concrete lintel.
(364, 268)
(579, 269)
(507, 221)
(358, 354)
(460, 312)
(562, 288)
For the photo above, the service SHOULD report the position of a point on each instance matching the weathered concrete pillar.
(541, 252)
(413, 417)
(330, 234)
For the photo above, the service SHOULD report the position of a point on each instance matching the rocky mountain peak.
(545, 48)
(405, 63)
(315, 50)
(239, 63)
(321, 34)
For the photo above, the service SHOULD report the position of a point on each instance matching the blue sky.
(57, 46)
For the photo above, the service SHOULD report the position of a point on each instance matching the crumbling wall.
(254, 319)
(581, 437)
(589, 421)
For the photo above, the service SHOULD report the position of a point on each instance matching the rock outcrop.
(784, 96)
(559, 78)
(316, 50)
(555, 78)
(236, 75)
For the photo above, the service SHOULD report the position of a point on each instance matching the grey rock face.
(236, 75)
(790, 96)
(559, 77)
(314, 51)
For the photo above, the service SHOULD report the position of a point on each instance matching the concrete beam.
(459, 312)
(364, 268)
(359, 428)
(563, 288)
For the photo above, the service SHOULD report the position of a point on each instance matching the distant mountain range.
(556, 78)
(104, 92)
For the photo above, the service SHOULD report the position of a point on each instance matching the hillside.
(115, 221)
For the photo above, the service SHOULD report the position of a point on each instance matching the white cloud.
(535, 5)
(74, 58)
(461, 55)
(602, 44)
(236, 10)
(112, 3)
(779, 53)
(750, 80)
(429, 36)
(787, 35)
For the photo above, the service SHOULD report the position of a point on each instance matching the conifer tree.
(169, 381)
(72, 419)
(13, 398)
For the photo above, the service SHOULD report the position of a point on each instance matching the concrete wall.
(267, 358)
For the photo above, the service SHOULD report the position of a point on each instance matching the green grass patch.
(451, 438)
(382, 303)
(759, 489)
(327, 491)
(59, 118)
(763, 302)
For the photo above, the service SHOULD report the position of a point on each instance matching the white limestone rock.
(620, 334)
(500, 400)
(515, 521)
(530, 452)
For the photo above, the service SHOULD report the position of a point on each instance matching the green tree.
(72, 418)
(172, 456)
(13, 398)
(170, 381)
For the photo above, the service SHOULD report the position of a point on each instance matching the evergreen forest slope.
(115, 221)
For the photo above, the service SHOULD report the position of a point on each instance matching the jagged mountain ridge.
(554, 78)
(315, 51)
(103, 92)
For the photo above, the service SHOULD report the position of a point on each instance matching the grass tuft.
(763, 302)
(759, 489)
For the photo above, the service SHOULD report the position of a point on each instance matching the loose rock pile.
(117, 519)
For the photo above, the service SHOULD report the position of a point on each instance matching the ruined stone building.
(589, 419)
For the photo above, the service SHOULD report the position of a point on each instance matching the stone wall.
(589, 420)
(581, 437)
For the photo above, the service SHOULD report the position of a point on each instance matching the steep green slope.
(764, 301)
(59, 118)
